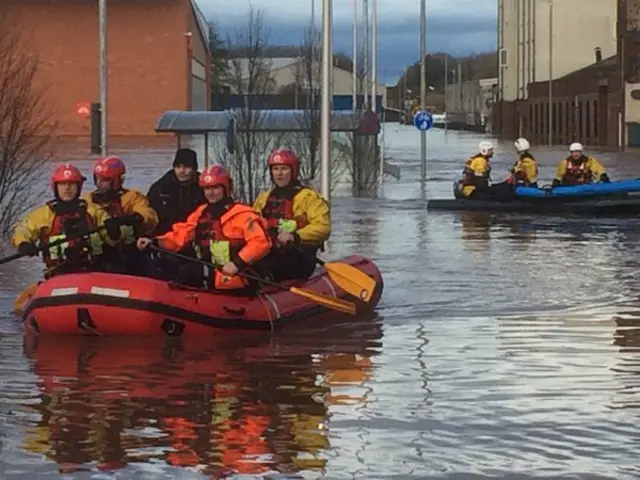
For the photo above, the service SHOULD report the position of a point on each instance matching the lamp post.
(423, 90)
(325, 107)
(374, 53)
(102, 27)
(550, 106)
(354, 86)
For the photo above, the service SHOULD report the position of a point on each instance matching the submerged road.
(503, 345)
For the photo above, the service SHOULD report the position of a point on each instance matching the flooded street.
(502, 345)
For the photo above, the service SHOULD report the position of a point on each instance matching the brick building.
(158, 59)
(598, 104)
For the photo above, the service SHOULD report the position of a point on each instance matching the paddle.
(60, 241)
(326, 301)
(353, 281)
(27, 293)
(23, 298)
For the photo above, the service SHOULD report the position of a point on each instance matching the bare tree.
(250, 77)
(26, 129)
(308, 75)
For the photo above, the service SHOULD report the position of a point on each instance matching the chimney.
(598, 51)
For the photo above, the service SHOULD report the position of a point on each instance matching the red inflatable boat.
(112, 304)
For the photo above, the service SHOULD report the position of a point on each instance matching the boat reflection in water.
(242, 403)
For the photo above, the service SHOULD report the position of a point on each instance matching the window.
(503, 57)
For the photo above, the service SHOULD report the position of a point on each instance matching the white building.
(285, 71)
(578, 28)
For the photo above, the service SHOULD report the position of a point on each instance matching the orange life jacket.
(57, 230)
(208, 230)
(576, 174)
(280, 207)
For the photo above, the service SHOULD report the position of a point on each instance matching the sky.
(457, 27)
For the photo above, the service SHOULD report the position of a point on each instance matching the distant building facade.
(470, 103)
(586, 103)
(288, 73)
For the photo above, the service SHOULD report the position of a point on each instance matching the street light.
(550, 112)
(423, 91)
(325, 107)
(102, 22)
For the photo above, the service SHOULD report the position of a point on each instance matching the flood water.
(503, 346)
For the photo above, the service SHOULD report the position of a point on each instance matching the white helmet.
(522, 145)
(576, 147)
(485, 147)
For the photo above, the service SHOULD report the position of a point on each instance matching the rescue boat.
(605, 206)
(124, 305)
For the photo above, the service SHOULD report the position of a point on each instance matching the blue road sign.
(423, 120)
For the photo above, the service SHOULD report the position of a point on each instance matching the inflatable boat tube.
(591, 189)
(124, 305)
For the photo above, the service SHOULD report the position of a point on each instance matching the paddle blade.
(329, 302)
(21, 302)
(353, 281)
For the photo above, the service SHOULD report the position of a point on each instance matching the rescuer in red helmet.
(223, 232)
(130, 215)
(66, 216)
(297, 216)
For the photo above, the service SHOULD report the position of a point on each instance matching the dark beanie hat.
(186, 157)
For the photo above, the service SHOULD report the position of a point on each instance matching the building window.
(503, 57)
(596, 120)
(588, 119)
(198, 94)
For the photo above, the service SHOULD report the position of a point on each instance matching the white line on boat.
(110, 292)
(59, 292)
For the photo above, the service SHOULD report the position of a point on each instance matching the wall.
(147, 66)
(470, 102)
(578, 27)
(200, 63)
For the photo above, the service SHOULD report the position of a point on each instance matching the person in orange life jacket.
(67, 216)
(130, 216)
(224, 232)
(296, 216)
(578, 169)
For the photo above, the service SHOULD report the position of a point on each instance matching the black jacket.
(174, 201)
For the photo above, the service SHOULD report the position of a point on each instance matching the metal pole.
(354, 97)
(423, 90)
(102, 14)
(550, 106)
(446, 87)
(325, 112)
(374, 54)
(365, 56)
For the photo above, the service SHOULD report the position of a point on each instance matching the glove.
(112, 226)
(133, 220)
(604, 178)
(26, 248)
(74, 227)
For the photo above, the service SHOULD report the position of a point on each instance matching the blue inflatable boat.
(612, 199)
(588, 190)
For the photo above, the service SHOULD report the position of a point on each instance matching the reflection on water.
(242, 405)
(511, 346)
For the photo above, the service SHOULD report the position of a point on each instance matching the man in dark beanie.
(174, 197)
(177, 193)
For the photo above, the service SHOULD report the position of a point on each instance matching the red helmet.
(216, 175)
(66, 173)
(110, 168)
(285, 156)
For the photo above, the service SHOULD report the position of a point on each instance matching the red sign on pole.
(83, 109)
